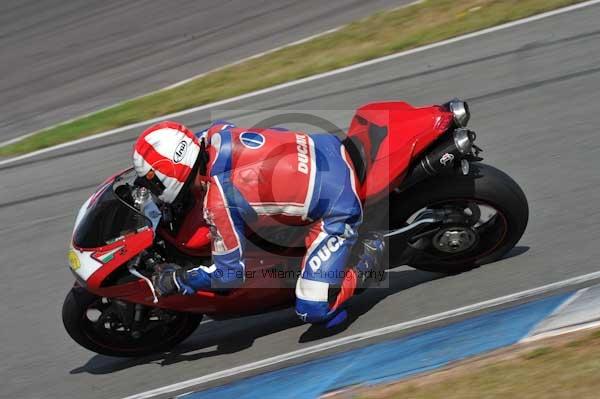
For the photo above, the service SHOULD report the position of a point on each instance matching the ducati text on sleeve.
(302, 153)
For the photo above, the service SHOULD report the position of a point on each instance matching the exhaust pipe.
(442, 157)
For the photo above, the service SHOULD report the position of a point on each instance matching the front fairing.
(109, 230)
(98, 268)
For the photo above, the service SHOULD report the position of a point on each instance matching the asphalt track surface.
(535, 94)
(61, 59)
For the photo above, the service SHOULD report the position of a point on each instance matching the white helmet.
(166, 154)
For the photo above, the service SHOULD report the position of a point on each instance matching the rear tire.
(484, 184)
(95, 337)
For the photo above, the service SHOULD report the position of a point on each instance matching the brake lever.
(133, 270)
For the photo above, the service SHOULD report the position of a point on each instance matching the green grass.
(378, 35)
(538, 352)
(568, 368)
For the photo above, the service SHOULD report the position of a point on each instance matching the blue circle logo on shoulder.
(252, 140)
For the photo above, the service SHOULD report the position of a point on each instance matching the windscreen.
(107, 218)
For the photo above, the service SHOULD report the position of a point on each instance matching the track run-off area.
(534, 91)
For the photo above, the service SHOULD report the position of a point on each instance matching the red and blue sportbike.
(421, 180)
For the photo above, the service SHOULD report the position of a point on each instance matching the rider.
(252, 174)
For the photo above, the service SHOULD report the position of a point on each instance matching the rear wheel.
(106, 326)
(487, 215)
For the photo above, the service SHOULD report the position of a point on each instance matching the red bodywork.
(392, 135)
(409, 131)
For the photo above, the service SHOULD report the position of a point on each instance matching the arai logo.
(180, 151)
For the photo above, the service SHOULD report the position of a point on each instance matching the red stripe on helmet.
(170, 125)
(156, 161)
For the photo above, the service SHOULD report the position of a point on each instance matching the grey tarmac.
(535, 96)
(65, 58)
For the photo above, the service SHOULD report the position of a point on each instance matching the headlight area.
(74, 266)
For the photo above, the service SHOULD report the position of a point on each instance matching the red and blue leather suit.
(300, 179)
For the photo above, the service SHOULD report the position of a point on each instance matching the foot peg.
(370, 266)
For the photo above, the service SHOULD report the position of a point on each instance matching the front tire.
(107, 335)
(485, 186)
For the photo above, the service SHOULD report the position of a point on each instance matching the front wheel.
(488, 214)
(110, 327)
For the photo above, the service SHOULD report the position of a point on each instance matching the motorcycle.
(423, 186)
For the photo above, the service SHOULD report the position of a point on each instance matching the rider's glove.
(169, 279)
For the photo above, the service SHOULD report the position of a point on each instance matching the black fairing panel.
(358, 156)
(376, 134)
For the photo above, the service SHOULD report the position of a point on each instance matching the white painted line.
(184, 81)
(172, 86)
(311, 78)
(562, 331)
(365, 335)
(569, 301)
(556, 311)
(315, 36)
(23, 137)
